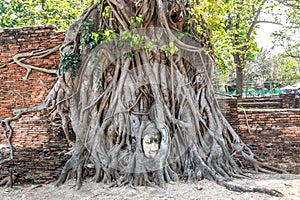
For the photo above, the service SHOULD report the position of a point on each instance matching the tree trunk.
(141, 103)
(239, 76)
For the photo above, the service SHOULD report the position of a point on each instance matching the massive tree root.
(145, 82)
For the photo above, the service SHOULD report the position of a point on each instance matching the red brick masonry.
(38, 150)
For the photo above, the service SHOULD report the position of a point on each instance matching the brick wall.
(288, 100)
(38, 150)
(273, 134)
(229, 107)
(297, 102)
(270, 126)
(16, 92)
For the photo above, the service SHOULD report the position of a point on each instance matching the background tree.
(288, 37)
(255, 70)
(235, 45)
(15, 13)
(276, 71)
(287, 69)
(241, 23)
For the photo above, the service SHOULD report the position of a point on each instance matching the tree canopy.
(17, 13)
(288, 37)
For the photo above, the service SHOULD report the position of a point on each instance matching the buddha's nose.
(153, 147)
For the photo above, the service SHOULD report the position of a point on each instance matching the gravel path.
(288, 184)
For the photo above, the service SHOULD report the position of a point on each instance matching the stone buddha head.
(151, 140)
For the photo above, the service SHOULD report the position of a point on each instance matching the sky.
(263, 38)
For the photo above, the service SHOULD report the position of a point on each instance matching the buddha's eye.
(147, 141)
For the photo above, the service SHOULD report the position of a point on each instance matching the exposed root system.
(124, 91)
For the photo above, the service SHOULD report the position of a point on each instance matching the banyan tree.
(134, 88)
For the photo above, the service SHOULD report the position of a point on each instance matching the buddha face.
(150, 141)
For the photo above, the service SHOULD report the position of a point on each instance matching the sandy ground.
(288, 184)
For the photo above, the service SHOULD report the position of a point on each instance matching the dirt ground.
(288, 184)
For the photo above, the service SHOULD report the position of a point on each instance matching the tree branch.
(267, 22)
(289, 3)
(7, 129)
(35, 54)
